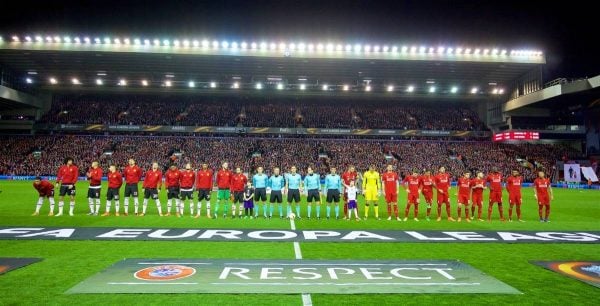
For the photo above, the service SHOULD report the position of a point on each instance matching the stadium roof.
(106, 61)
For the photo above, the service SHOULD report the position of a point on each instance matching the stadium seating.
(256, 112)
(17, 156)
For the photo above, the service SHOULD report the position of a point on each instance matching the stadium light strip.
(267, 45)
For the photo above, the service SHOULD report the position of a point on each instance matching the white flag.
(589, 173)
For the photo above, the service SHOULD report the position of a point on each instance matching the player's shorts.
(93, 193)
(223, 194)
(112, 194)
(248, 204)
(276, 196)
(313, 195)
(187, 194)
(477, 199)
(333, 195)
(413, 198)
(463, 199)
(495, 197)
(204, 194)
(391, 197)
(48, 194)
(442, 198)
(150, 193)
(260, 194)
(293, 195)
(371, 194)
(64, 190)
(544, 200)
(172, 192)
(352, 204)
(428, 195)
(131, 190)
(238, 197)
(514, 199)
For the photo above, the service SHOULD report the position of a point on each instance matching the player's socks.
(467, 213)
(108, 205)
(510, 210)
(389, 208)
(479, 212)
(241, 212)
(448, 210)
(376, 208)
(144, 206)
(271, 209)
(265, 206)
(298, 210)
(208, 209)
(280, 209)
(118, 206)
(318, 211)
(38, 205)
(71, 208)
(337, 211)
(328, 211)
(126, 205)
(61, 204)
(136, 204)
(158, 206)
(416, 211)
(346, 210)
(501, 211)
(91, 204)
(459, 211)
(472, 210)
(169, 205)
(97, 207)
(225, 208)
(198, 207)
(51, 205)
(439, 210)
(519, 212)
(233, 209)
(217, 208)
(366, 211)
(547, 213)
(490, 213)
(309, 209)
(288, 209)
(428, 210)
(406, 210)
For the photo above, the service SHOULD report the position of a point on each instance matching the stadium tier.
(258, 112)
(42, 155)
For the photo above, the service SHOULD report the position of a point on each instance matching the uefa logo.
(164, 273)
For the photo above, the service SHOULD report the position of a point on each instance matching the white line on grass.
(306, 299)
(127, 283)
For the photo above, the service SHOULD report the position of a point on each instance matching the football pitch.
(67, 263)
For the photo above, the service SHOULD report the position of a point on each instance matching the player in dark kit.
(67, 178)
(133, 175)
(45, 190)
(238, 182)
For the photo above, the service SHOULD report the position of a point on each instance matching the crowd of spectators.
(42, 155)
(257, 112)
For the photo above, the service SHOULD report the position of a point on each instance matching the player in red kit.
(172, 183)
(412, 185)
(186, 181)
(495, 181)
(427, 181)
(133, 175)
(543, 194)
(94, 175)
(238, 182)
(45, 189)
(464, 193)
(391, 181)
(152, 183)
(347, 177)
(67, 178)
(204, 185)
(223, 184)
(115, 181)
(477, 186)
(442, 184)
(513, 186)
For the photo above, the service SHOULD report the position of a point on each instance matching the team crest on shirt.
(164, 273)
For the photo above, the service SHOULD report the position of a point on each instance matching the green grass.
(67, 263)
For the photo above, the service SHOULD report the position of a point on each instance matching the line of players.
(235, 187)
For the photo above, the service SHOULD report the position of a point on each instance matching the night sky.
(564, 31)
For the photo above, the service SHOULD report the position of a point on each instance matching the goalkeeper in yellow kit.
(371, 188)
